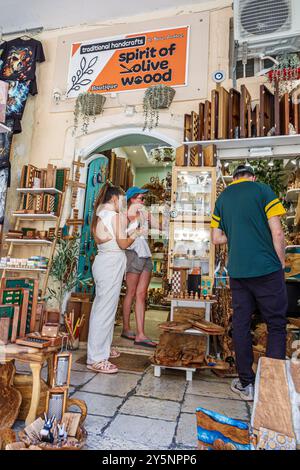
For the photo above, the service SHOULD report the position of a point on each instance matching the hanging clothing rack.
(36, 30)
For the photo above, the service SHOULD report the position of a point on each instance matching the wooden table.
(36, 359)
(206, 305)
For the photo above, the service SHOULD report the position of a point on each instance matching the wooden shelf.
(39, 190)
(39, 270)
(27, 241)
(35, 216)
(287, 146)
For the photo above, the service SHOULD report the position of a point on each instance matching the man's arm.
(278, 238)
(218, 237)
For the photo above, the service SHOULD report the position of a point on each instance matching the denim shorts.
(137, 265)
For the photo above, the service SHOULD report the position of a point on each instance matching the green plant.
(156, 97)
(87, 105)
(64, 269)
(275, 175)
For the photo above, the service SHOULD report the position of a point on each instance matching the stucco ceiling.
(51, 14)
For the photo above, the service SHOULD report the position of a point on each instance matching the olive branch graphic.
(85, 69)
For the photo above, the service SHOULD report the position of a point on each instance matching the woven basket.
(81, 434)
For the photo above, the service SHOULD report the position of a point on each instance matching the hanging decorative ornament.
(285, 73)
(162, 156)
(87, 105)
(155, 98)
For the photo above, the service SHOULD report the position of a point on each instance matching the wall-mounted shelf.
(287, 146)
(39, 190)
(10, 268)
(35, 216)
(27, 241)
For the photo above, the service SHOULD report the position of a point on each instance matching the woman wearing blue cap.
(138, 270)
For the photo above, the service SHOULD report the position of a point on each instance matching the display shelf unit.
(47, 244)
(46, 217)
(38, 270)
(27, 241)
(287, 146)
(192, 205)
(292, 195)
(191, 331)
(38, 190)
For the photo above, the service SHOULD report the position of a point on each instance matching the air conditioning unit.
(267, 26)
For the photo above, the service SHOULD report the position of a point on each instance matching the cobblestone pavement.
(133, 410)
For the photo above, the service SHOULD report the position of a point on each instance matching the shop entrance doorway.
(127, 160)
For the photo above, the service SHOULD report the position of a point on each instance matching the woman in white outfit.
(109, 231)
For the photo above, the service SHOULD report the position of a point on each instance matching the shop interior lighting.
(260, 152)
(271, 163)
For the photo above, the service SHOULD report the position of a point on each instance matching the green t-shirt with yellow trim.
(242, 212)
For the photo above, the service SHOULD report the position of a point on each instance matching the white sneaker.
(246, 393)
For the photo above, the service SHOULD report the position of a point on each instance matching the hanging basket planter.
(156, 97)
(87, 105)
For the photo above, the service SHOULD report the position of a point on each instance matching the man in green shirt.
(247, 218)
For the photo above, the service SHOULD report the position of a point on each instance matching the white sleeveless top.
(106, 217)
(140, 244)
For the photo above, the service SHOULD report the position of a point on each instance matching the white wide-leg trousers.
(108, 271)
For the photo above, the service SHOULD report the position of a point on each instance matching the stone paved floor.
(132, 410)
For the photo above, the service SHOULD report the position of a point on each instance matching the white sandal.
(105, 367)
(114, 353)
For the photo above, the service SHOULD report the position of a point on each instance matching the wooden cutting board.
(208, 327)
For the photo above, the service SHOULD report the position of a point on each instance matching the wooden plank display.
(207, 120)
(33, 287)
(223, 115)
(284, 116)
(4, 330)
(50, 176)
(17, 297)
(245, 113)
(214, 114)
(267, 111)
(273, 407)
(210, 156)
(12, 312)
(295, 110)
(234, 106)
(61, 177)
(201, 121)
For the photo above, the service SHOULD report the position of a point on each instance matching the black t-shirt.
(17, 97)
(18, 60)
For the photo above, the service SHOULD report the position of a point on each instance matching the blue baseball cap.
(134, 191)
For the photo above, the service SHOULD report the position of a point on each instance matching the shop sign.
(129, 62)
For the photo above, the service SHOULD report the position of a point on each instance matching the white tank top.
(106, 217)
(140, 244)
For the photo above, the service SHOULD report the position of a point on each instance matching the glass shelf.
(192, 195)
